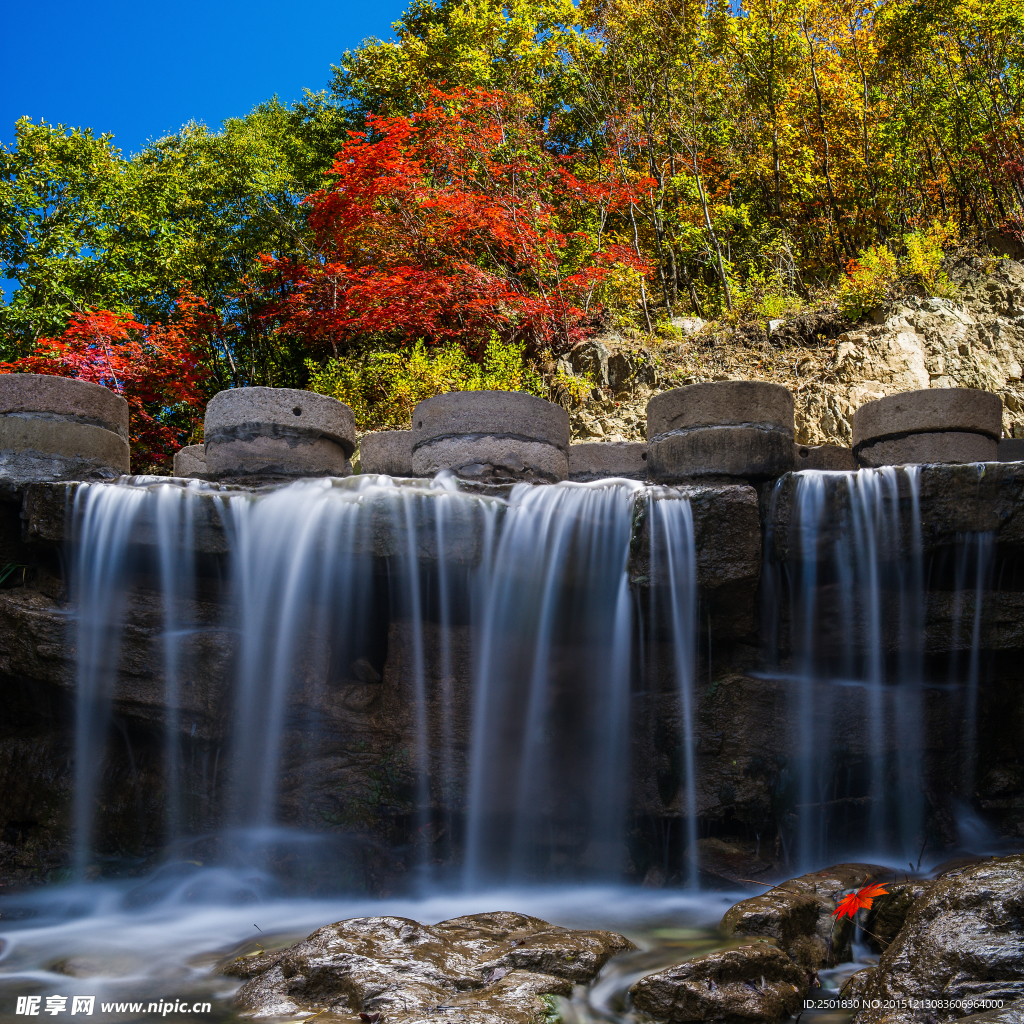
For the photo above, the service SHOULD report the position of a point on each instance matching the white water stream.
(536, 777)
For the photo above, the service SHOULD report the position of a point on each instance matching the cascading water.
(485, 685)
(302, 580)
(673, 559)
(549, 764)
(974, 560)
(524, 763)
(858, 593)
(104, 517)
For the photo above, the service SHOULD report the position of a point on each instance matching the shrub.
(383, 388)
(871, 278)
(868, 280)
(925, 252)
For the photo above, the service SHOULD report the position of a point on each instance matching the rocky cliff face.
(832, 366)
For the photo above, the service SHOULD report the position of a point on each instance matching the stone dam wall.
(345, 770)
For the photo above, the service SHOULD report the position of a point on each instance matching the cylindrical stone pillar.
(600, 460)
(491, 437)
(190, 461)
(387, 452)
(59, 428)
(741, 429)
(277, 432)
(934, 425)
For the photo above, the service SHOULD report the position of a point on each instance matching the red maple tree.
(447, 224)
(158, 369)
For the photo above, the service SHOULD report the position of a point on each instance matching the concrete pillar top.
(245, 413)
(78, 400)
(931, 410)
(512, 414)
(720, 403)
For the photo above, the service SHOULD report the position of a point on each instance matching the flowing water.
(518, 642)
(164, 938)
(530, 762)
(857, 586)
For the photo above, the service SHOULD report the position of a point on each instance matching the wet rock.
(489, 967)
(857, 983)
(752, 983)
(886, 917)
(1012, 1014)
(963, 939)
(798, 914)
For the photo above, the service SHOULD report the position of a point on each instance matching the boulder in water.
(962, 941)
(798, 914)
(1012, 1014)
(486, 967)
(750, 984)
(886, 917)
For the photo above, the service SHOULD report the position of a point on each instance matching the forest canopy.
(511, 175)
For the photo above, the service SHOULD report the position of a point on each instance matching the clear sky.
(142, 69)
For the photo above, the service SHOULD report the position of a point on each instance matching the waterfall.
(549, 763)
(673, 560)
(505, 628)
(103, 519)
(974, 564)
(176, 555)
(119, 535)
(293, 619)
(858, 596)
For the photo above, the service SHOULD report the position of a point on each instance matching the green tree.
(82, 226)
(516, 46)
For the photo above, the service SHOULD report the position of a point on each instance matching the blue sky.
(141, 70)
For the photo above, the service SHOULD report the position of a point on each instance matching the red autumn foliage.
(157, 369)
(862, 900)
(442, 225)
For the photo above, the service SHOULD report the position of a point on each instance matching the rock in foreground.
(756, 983)
(484, 968)
(963, 939)
(798, 914)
